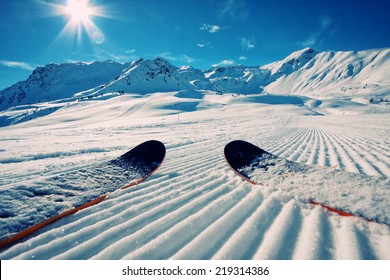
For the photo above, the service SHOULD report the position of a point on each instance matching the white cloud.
(168, 56)
(225, 62)
(187, 58)
(202, 45)
(234, 9)
(246, 44)
(210, 28)
(242, 58)
(324, 22)
(310, 41)
(17, 64)
(177, 58)
(121, 56)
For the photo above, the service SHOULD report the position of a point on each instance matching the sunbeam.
(80, 15)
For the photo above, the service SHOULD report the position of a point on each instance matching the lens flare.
(98, 37)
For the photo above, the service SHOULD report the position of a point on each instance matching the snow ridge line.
(164, 223)
(334, 150)
(209, 241)
(168, 243)
(243, 243)
(371, 154)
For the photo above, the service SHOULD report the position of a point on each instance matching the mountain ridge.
(304, 72)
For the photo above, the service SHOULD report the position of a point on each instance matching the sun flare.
(80, 15)
(79, 10)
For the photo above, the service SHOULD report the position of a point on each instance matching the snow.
(195, 206)
(368, 196)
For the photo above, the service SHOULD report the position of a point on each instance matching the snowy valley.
(327, 109)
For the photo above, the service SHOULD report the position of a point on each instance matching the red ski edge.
(338, 211)
(30, 230)
(239, 174)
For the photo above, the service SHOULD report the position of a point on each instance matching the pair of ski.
(247, 160)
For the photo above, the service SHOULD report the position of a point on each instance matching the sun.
(80, 16)
(78, 10)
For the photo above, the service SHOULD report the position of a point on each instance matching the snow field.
(194, 206)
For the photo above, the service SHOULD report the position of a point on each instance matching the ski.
(128, 170)
(260, 167)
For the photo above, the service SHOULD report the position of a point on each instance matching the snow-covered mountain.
(58, 81)
(145, 76)
(310, 73)
(231, 78)
(305, 72)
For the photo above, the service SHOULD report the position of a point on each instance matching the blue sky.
(188, 32)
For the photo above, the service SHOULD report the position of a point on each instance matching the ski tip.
(146, 158)
(239, 154)
(243, 149)
(151, 150)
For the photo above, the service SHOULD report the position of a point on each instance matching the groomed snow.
(194, 206)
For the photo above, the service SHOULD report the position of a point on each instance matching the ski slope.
(194, 206)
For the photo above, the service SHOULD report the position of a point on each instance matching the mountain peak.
(306, 53)
(292, 63)
(146, 76)
(161, 60)
(309, 50)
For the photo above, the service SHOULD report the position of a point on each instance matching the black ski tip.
(149, 151)
(240, 153)
(145, 158)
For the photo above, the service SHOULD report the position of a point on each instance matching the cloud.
(177, 58)
(310, 41)
(242, 58)
(187, 58)
(168, 56)
(17, 64)
(324, 23)
(246, 44)
(210, 28)
(202, 45)
(225, 62)
(234, 9)
(121, 56)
